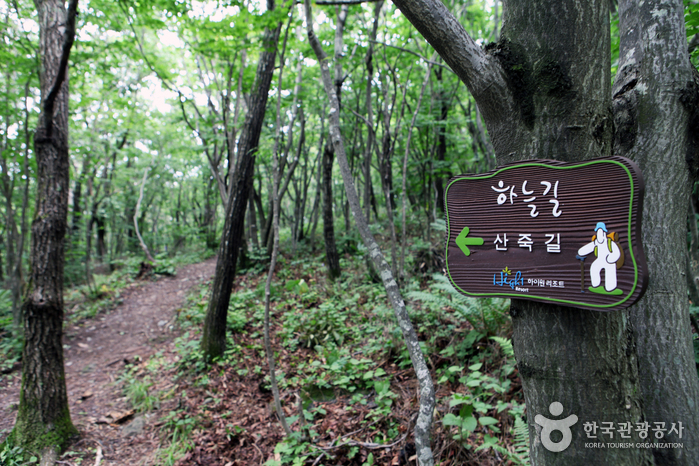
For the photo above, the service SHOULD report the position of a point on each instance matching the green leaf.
(458, 399)
(451, 420)
(487, 420)
(466, 411)
(475, 367)
(469, 424)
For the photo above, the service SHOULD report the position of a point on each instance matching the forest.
(223, 227)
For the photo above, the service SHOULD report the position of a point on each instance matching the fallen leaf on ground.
(119, 417)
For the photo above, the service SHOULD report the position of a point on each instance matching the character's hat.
(602, 226)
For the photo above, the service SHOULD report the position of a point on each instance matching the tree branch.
(481, 73)
(403, 49)
(68, 39)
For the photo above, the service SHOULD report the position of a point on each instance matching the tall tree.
(213, 341)
(656, 113)
(43, 421)
(332, 258)
(544, 90)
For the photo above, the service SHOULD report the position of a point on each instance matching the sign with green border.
(549, 231)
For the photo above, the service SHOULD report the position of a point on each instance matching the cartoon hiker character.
(607, 253)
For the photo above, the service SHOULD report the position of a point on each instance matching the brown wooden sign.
(543, 230)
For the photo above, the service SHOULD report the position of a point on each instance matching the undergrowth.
(339, 343)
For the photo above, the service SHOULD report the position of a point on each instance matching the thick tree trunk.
(43, 420)
(656, 101)
(582, 359)
(213, 342)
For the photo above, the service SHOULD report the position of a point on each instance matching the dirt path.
(96, 352)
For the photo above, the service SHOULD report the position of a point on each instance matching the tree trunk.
(441, 150)
(656, 102)
(590, 366)
(2, 273)
(135, 224)
(213, 341)
(43, 420)
(13, 256)
(252, 223)
(332, 258)
(101, 236)
(77, 195)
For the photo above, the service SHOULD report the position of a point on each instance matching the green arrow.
(462, 242)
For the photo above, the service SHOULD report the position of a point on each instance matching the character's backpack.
(613, 236)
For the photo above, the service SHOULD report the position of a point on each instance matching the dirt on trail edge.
(96, 352)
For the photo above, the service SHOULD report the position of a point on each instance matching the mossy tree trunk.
(43, 422)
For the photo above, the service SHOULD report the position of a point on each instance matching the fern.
(506, 345)
(429, 298)
(521, 441)
(439, 225)
(500, 449)
(485, 314)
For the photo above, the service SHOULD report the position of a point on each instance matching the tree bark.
(43, 421)
(655, 112)
(213, 342)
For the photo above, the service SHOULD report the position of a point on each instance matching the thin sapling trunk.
(427, 397)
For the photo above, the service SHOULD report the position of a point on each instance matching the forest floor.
(140, 393)
(97, 350)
